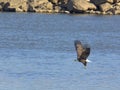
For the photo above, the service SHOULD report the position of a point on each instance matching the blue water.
(37, 52)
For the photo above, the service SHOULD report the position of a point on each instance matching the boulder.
(105, 7)
(0, 8)
(118, 4)
(57, 8)
(115, 1)
(2, 4)
(80, 6)
(54, 1)
(117, 7)
(6, 7)
(49, 6)
(115, 12)
(59, 1)
(44, 6)
(40, 6)
(30, 8)
(38, 2)
(64, 1)
(23, 6)
(98, 2)
(13, 5)
(63, 4)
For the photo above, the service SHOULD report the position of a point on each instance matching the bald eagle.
(83, 52)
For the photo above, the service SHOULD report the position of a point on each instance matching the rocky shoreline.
(104, 7)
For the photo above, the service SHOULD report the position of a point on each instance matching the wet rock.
(6, 7)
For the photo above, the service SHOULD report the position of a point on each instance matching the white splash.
(88, 60)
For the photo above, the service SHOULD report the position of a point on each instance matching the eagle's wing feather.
(79, 48)
(85, 52)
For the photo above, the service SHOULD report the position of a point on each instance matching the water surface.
(37, 52)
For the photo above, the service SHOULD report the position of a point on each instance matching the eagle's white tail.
(88, 60)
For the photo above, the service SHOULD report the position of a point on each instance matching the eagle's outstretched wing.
(79, 48)
(85, 52)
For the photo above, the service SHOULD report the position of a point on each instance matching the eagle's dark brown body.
(83, 52)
